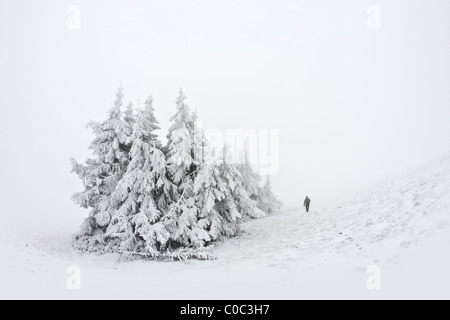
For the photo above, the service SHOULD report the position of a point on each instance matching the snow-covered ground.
(401, 226)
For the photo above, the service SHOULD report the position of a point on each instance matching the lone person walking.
(307, 203)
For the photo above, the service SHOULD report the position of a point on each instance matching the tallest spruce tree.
(100, 174)
(250, 179)
(268, 202)
(135, 226)
(182, 166)
(179, 148)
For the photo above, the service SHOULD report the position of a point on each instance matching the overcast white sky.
(352, 105)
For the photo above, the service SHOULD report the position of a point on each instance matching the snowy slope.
(401, 226)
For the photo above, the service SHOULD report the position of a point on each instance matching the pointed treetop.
(183, 118)
(115, 111)
(180, 100)
(267, 201)
(129, 113)
(119, 96)
(146, 124)
(149, 104)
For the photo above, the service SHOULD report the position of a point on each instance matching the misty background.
(352, 105)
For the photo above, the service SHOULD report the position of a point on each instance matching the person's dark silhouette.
(307, 203)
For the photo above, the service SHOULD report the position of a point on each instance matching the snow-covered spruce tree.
(204, 213)
(210, 190)
(180, 154)
(136, 225)
(268, 202)
(246, 206)
(184, 153)
(100, 176)
(223, 219)
(180, 150)
(250, 179)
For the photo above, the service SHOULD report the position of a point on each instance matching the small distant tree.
(246, 206)
(250, 179)
(268, 202)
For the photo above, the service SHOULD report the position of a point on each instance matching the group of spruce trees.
(154, 201)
